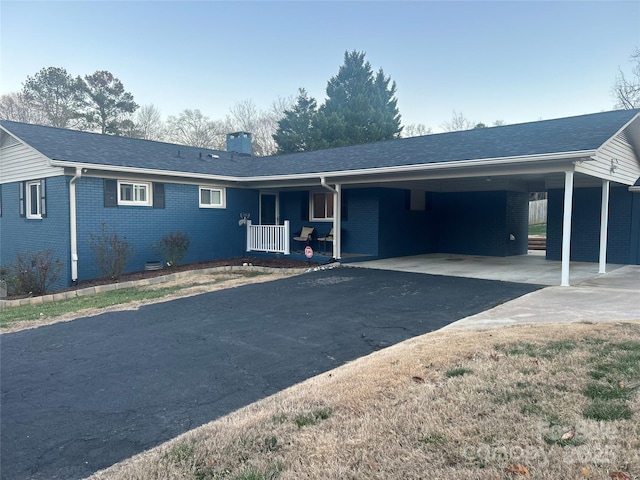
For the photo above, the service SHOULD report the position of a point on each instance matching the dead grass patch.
(520, 409)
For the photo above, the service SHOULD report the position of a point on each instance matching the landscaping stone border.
(54, 297)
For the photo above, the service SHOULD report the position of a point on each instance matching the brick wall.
(585, 226)
(22, 235)
(214, 232)
(403, 231)
(555, 199)
(359, 228)
(380, 223)
(620, 226)
(517, 223)
(479, 223)
(634, 254)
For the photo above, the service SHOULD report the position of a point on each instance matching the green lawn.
(101, 300)
(539, 229)
(41, 311)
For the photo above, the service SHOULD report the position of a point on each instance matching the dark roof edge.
(103, 135)
(459, 132)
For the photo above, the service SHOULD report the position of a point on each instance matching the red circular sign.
(308, 251)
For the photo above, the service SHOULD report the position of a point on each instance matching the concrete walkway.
(613, 296)
(592, 297)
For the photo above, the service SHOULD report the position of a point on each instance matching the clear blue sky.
(511, 60)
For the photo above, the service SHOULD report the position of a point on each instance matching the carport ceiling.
(518, 183)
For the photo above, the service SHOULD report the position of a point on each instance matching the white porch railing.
(268, 238)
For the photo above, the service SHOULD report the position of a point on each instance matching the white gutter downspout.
(337, 212)
(72, 223)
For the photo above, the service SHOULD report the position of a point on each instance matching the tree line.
(360, 107)
(100, 103)
(96, 102)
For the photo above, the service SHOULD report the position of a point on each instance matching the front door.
(268, 208)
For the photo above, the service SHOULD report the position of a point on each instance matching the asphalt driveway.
(80, 396)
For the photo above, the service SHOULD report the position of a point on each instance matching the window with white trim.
(321, 206)
(134, 193)
(212, 197)
(34, 204)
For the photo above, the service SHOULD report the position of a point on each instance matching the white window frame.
(136, 185)
(220, 190)
(29, 203)
(312, 216)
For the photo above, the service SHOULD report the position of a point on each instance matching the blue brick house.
(460, 192)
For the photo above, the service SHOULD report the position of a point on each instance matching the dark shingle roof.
(572, 134)
(94, 148)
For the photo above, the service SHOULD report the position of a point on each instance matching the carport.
(591, 154)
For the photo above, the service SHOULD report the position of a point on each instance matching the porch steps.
(537, 243)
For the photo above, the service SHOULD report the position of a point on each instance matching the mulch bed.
(260, 262)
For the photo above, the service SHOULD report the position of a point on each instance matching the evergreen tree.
(295, 129)
(55, 97)
(361, 107)
(109, 106)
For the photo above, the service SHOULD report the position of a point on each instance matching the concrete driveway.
(82, 395)
(532, 268)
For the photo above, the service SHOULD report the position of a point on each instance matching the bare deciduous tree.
(193, 128)
(626, 90)
(415, 130)
(458, 122)
(149, 124)
(245, 116)
(17, 108)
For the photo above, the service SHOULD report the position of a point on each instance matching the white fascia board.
(145, 171)
(429, 167)
(315, 176)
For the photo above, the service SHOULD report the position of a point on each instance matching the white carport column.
(566, 226)
(604, 227)
(337, 219)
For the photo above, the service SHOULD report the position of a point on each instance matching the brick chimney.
(239, 142)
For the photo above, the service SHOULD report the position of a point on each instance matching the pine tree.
(55, 97)
(361, 107)
(295, 129)
(109, 106)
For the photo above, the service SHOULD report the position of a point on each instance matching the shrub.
(111, 252)
(172, 247)
(33, 273)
